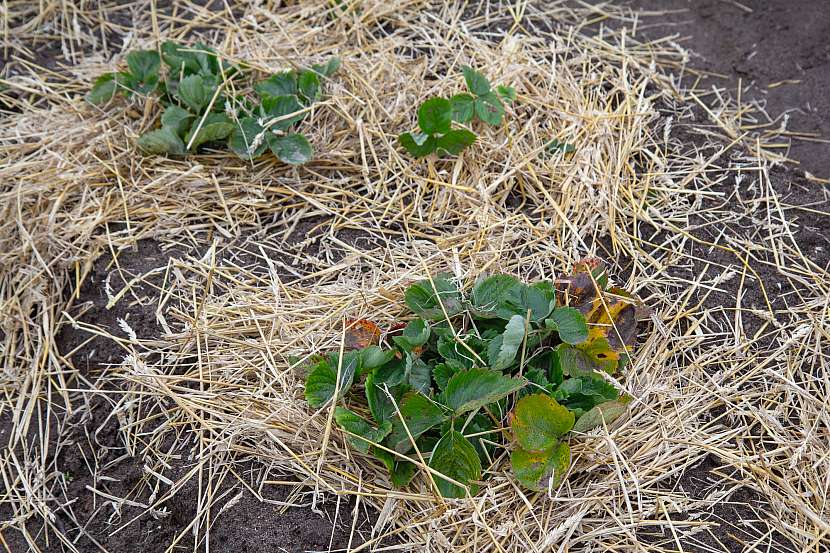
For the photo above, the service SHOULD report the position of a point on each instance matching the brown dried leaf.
(361, 333)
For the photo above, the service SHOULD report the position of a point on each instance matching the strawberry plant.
(435, 121)
(483, 103)
(198, 111)
(504, 365)
(436, 116)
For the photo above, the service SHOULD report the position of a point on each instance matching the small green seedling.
(436, 115)
(197, 110)
(556, 146)
(447, 385)
(484, 103)
(437, 134)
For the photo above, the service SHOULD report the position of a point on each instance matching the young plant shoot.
(436, 116)
(436, 132)
(483, 103)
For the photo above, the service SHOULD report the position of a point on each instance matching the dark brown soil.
(778, 48)
(759, 44)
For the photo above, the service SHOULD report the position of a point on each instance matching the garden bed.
(157, 312)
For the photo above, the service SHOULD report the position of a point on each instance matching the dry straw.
(279, 256)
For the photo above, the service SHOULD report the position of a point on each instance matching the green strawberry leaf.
(462, 352)
(161, 141)
(455, 141)
(522, 298)
(489, 109)
(506, 93)
(194, 93)
(442, 373)
(215, 126)
(463, 108)
(476, 82)
(180, 61)
(144, 67)
(373, 357)
(416, 333)
(280, 84)
(366, 434)
(285, 109)
(380, 405)
(103, 89)
(419, 375)
(537, 382)
(503, 348)
(585, 392)
(472, 389)
(308, 85)
(426, 298)
(490, 294)
(402, 474)
(569, 323)
(555, 146)
(608, 412)
(543, 469)
(455, 457)
(418, 144)
(327, 69)
(419, 414)
(538, 421)
(293, 149)
(322, 382)
(207, 59)
(392, 373)
(177, 119)
(435, 116)
(248, 139)
(503, 296)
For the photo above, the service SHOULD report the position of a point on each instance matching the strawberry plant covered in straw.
(531, 354)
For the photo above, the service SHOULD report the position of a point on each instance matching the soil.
(780, 47)
(777, 48)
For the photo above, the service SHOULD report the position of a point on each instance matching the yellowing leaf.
(542, 469)
(538, 421)
(608, 412)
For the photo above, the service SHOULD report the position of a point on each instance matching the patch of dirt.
(732, 519)
(93, 454)
(137, 308)
(238, 520)
(778, 46)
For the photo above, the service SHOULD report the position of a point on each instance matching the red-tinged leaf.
(361, 333)
(578, 291)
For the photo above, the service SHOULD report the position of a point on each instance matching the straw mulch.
(670, 184)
